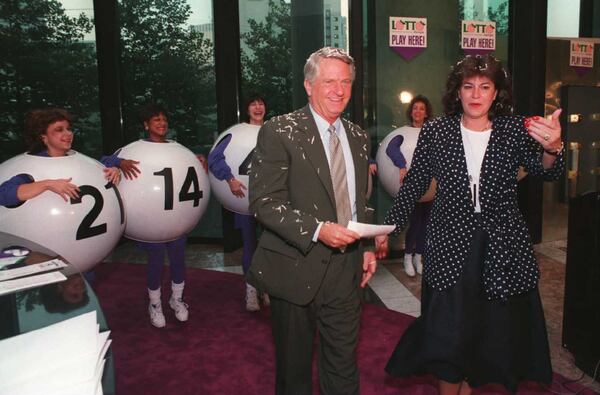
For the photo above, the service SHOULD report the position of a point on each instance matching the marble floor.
(394, 289)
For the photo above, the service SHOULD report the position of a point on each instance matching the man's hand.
(373, 169)
(129, 168)
(369, 267)
(336, 235)
(381, 246)
(237, 187)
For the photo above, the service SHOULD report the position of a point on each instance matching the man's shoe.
(180, 308)
(157, 318)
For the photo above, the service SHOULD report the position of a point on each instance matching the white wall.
(563, 18)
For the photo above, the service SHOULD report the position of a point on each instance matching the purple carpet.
(223, 349)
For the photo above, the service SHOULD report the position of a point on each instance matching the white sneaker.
(180, 308)
(418, 263)
(157, 318)
(265, 299)
(251, 298)
(408, 265)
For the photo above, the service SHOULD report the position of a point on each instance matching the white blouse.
(475, 144)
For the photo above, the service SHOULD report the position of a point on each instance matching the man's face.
(330, 91)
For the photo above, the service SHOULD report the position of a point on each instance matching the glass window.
(276, 37)
(48, 59)
(489, 10)
(563, 18)
(425, 73)
(265, 42)
(167, 57)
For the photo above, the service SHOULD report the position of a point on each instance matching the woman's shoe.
(408, 265)
(418, 262)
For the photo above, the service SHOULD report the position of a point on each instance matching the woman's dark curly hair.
(419, 99)
(36, 124)
(149, 111)
(477, 65)
(249, 100)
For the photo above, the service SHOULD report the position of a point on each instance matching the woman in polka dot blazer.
(481, 316)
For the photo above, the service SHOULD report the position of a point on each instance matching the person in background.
(255, 110)
(154, 118)
(48, 133)
(419, 110)
(481, 315)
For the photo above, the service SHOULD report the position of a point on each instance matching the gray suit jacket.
(290, 192)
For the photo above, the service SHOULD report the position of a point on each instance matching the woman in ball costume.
(48, 133)
(154, 119)
(256, 110)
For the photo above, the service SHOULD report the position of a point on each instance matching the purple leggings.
(156, 259)
(415, 235)
(247, 225)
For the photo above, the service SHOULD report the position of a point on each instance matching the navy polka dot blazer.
(510, 267)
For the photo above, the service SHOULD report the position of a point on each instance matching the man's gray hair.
(312, 63)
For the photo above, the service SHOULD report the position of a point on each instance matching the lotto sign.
(84, 230)
(408, 36)
(581, 55)
(170, 194)
(478, 37)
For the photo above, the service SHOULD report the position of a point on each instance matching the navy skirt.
(461, 335)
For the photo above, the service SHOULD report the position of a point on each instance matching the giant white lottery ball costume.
(387, 172)
(238, 157)
(170, 195)
(83, 231)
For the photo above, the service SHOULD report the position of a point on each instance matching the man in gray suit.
(308, 179)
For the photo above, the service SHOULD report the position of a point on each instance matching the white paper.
(53, 264)
(20, 284)
(61, 359)
(44, 349)
(369, 230)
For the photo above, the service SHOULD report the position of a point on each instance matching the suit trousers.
(335, 313)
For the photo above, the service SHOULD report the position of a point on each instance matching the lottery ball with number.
(83, 231)
(170, 195)
(238, 155)
(387, 172)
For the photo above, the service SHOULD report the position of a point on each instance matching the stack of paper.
(30, 276)
(62, 359)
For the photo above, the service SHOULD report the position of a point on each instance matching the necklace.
(488, 125)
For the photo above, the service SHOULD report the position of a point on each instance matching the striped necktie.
(338, 178)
